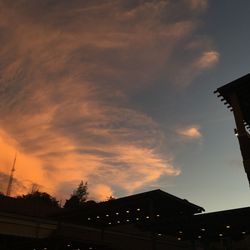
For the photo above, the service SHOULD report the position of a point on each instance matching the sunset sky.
(119, 93)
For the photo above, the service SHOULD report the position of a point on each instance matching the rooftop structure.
(142, 209)
(236, 95)
(150, 220)
(130, 222)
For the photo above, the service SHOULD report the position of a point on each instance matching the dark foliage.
(40, 197)
(110, 198)
(79, 196)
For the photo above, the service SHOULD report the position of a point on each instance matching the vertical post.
(153, 241)
(238, 117)
(152, 219)
(221, 244)
(242, 134)
(57, 235)
(246, 241)
(193, 244)
(37, 230)
(102, 234)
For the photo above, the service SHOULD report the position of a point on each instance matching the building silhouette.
(236, 95)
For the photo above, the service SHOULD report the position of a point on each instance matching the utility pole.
(8, 192)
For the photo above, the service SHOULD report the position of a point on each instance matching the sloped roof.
(139, 208)
(240, 87)
(160, 199)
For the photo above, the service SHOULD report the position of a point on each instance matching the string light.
(228, 226)
(107, 215)
(138, 209)
(178, 238)
(127, 211)
(203, 229)
(220, 235)
(147, 217)
(117, 213)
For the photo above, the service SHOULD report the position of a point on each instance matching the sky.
(119, 93)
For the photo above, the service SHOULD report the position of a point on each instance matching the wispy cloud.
(68, 72)
(199, 4)
(208, 59)
(192, 132)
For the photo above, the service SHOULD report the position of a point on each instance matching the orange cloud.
(101, 192)
(208, 59)
(28, 169)
(190, 132)
(68, 76)
(205, 61)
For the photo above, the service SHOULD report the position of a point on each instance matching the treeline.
(77, 199)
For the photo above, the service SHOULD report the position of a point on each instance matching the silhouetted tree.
(110, 198)
(41, 197)
(79, 196)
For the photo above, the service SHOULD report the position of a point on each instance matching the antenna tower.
(8, 192)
